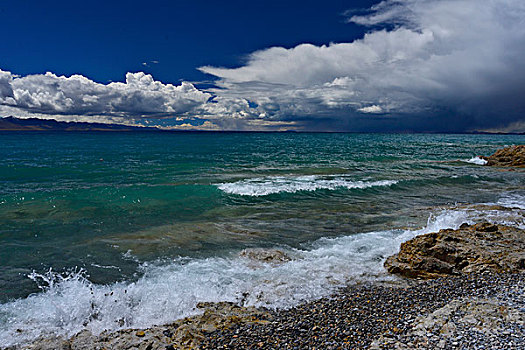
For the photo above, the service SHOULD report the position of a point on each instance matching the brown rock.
(475, 248)
(508, 156)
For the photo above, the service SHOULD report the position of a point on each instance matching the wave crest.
(279, 184)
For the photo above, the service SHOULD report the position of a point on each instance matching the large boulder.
(471, 248)
(508, 156)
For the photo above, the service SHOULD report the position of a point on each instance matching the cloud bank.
(423, 65)
(428, 65)
(140, 96)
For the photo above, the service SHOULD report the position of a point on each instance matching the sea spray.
(477, 160)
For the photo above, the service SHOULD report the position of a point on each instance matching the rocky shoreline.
(471, 311)
(466, 290)
(468, 293)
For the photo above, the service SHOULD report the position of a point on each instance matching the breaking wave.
(278, 184)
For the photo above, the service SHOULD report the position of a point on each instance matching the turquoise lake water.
(159, 219)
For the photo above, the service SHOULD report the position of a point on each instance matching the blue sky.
(396, 65)
(104, 40)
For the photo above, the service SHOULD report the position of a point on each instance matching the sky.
(380, 66)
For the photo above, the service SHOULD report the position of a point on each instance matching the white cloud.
(6, 90)
(139, 96)
(371, 109)
(206, 126)
(443, 57)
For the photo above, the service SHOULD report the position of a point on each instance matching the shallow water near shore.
(108, 231)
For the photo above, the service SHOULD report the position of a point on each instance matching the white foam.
(512, 201)
(106, 266)
(477, 160)
(291, 184)
(170, 290)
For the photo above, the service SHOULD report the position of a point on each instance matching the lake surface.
(117, 230)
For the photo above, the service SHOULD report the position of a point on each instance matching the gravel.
(475, 311)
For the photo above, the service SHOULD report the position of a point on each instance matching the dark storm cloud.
(449, 65)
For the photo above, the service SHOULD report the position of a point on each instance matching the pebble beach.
(480, 311)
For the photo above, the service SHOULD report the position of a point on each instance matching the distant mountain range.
(35, 124)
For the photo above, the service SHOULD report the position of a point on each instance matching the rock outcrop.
(471, 248)
(508, 156)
